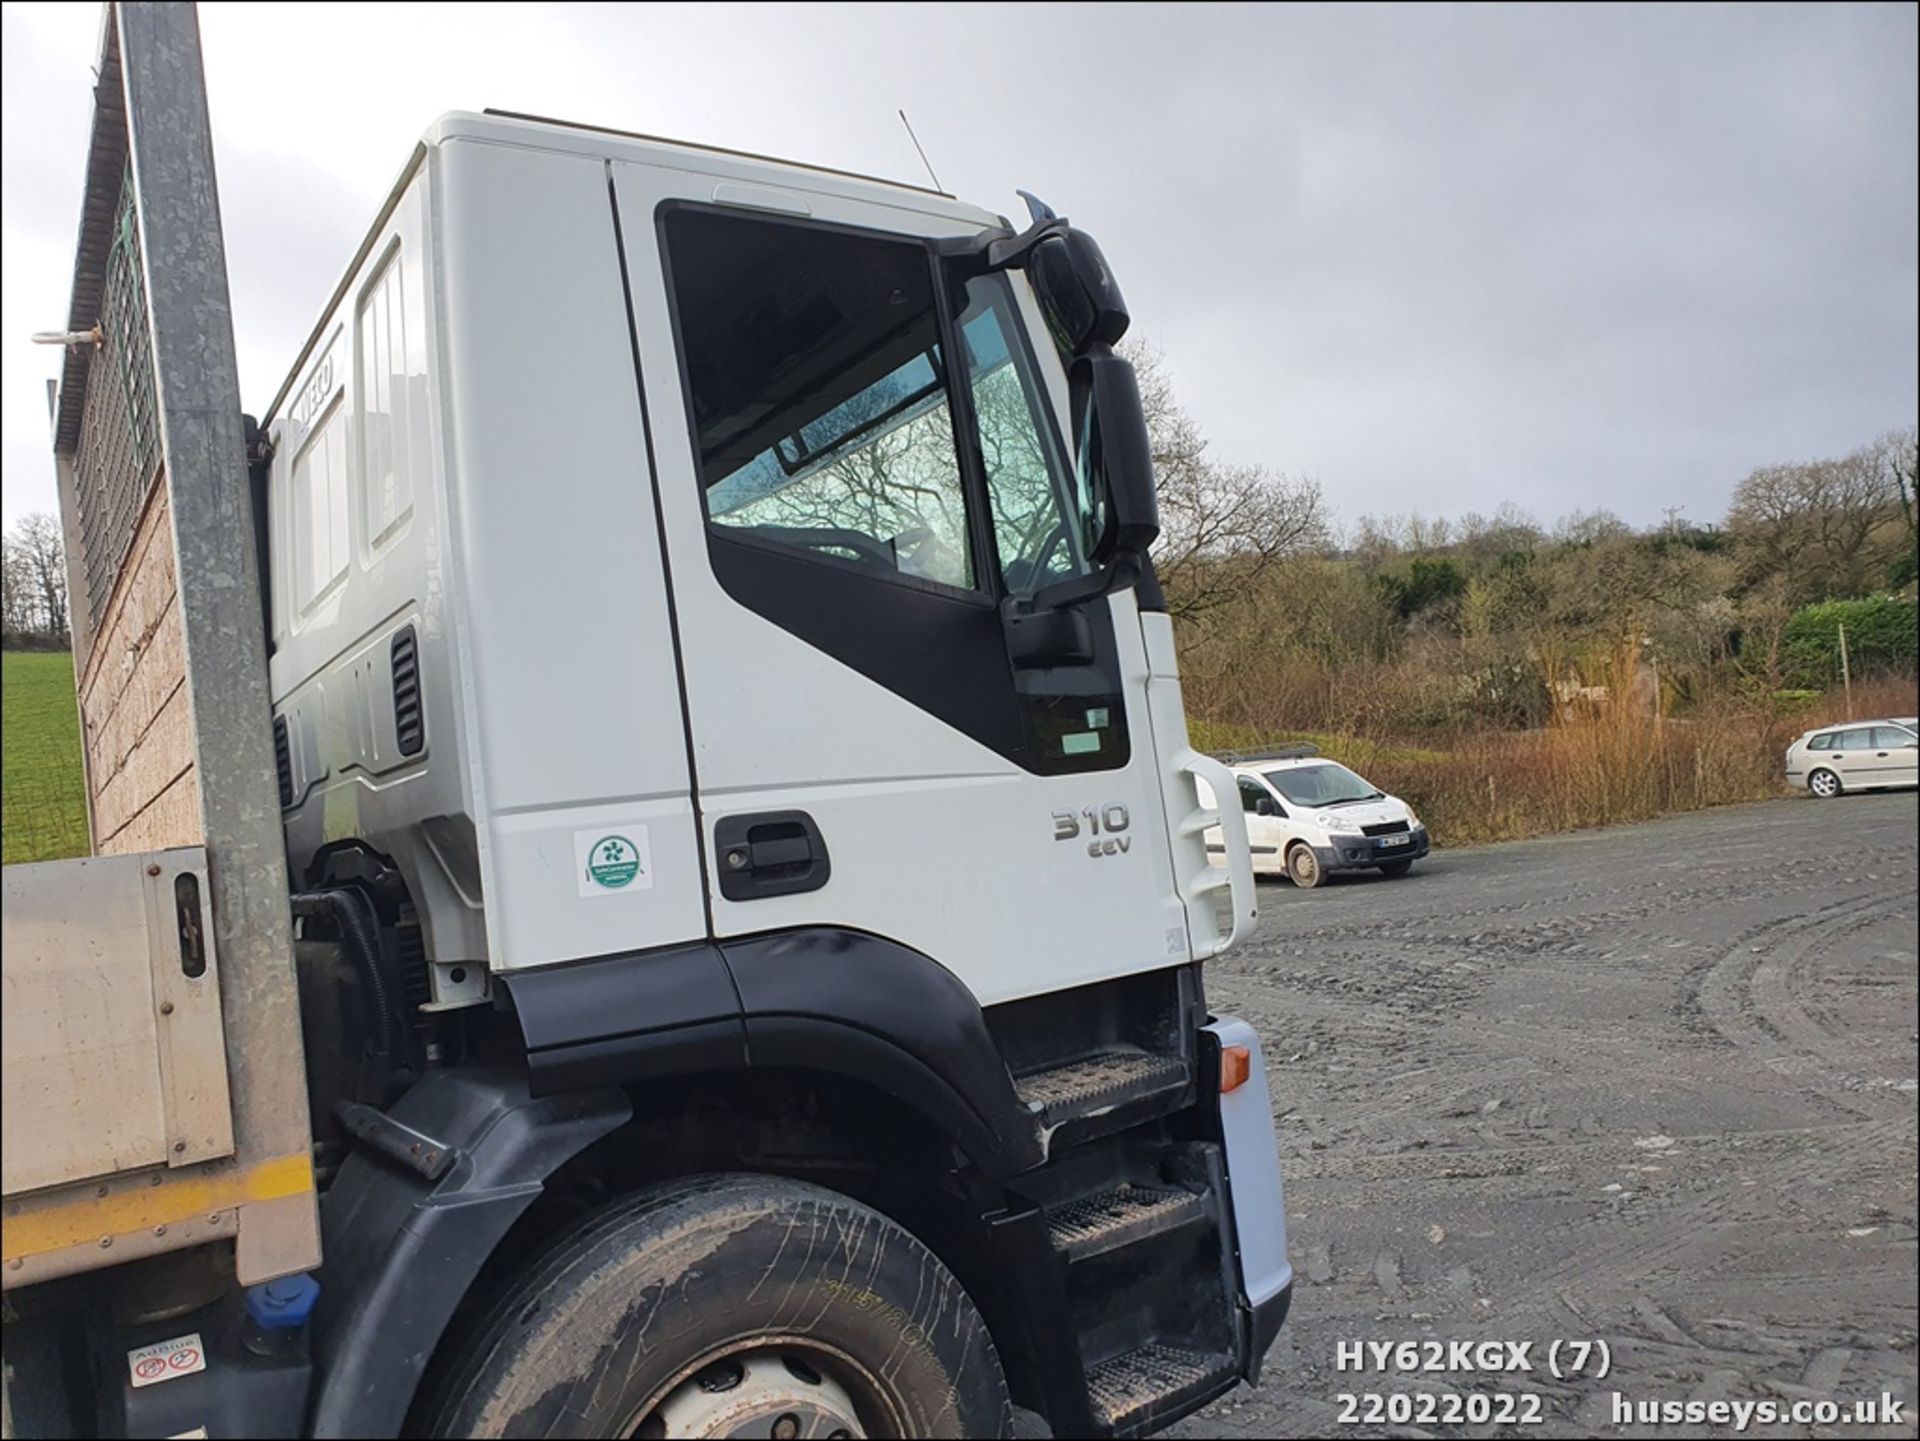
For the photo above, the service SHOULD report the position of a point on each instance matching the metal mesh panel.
(118, 453)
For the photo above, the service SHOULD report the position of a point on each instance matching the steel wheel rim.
(784, 1387)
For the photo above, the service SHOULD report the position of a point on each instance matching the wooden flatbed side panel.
(135, 706)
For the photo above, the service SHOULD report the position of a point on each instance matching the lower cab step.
(1136, 1389)
(1099, 1083)
(1094, 1225)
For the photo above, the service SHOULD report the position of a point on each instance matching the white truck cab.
(711, 627)
(1308, 817)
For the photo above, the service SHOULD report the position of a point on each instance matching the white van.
(1308, 817)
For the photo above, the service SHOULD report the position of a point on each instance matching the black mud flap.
(402, 1250)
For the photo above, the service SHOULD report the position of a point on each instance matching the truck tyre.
(731, 1306)
(1304, 866)
(1824, 784)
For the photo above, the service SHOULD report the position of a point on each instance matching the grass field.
(43, 804)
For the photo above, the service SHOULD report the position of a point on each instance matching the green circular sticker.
(613, 862)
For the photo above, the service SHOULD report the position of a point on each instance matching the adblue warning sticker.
(167, 1360)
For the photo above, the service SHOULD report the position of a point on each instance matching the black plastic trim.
(628, 1018)
(856, 1005)
(409, 706)
(283, 761)
(1263, 1329)
(823, 999)
(402, 1252)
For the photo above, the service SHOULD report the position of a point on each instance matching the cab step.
(1135, 1390)
(1094, 1225)
(1099, 1083)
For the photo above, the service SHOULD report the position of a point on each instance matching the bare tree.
(43, 563)
(1508, 529)
(1222, 527)
(1813, 524)
(1893, 457)
(1585, 527)
(19, 609)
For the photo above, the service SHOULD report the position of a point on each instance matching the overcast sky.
(1437, 258)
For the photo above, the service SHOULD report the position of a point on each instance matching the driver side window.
(1251, 794)
(818, 388)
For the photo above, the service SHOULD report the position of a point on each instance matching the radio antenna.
(923, 154)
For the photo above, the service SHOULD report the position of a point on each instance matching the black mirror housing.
(1111, 426)
(1077, 292)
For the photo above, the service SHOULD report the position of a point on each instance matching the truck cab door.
(858, 461)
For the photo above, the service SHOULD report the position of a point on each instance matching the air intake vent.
(283, 760)
(409, 720)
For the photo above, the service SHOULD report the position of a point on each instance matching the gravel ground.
(1652, 1085)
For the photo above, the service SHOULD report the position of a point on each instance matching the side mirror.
(1114, 457)
(1264, 807)
(1077, 292)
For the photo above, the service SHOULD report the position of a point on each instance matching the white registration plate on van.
(1396, 840)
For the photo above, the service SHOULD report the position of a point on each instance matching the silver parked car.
(1857, 756)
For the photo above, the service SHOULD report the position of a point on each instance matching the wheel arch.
(818, 998)
(847, 1024)
(849, 1136)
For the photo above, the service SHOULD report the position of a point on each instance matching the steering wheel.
(865, 548)
(1033, 573)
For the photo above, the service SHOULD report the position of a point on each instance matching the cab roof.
(534, 132)
(544, 133)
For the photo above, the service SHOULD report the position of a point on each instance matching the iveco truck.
(690, 618)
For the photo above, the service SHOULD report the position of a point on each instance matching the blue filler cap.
(283, 1305)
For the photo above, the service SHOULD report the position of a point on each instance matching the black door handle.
(772, 853)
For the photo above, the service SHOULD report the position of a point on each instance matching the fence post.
(1846, 670)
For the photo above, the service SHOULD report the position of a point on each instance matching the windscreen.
(1323, 784)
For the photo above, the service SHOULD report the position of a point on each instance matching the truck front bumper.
(1258, 1206)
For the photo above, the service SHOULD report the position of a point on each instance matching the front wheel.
(1824, 784)
(1304, 866)
(732, 1306)
(1396, 869)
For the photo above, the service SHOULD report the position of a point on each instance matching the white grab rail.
(1197, 891)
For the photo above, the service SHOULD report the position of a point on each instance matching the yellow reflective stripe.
(179, 1198)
